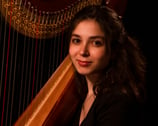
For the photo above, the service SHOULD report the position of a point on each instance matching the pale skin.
(89, 56)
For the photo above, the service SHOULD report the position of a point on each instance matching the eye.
(97, 43)
(75, 40)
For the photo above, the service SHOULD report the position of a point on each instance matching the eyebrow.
(75, 35)
(95, 37)
(91, 37)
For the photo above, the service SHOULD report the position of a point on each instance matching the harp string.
(37, 83)
(22, 82)
(42, 52)
(34, 43)
(41, 59)
(62, 35)
(55, 43)
(3, 50)
(11, 84)
(6, 69)
(29, 64)
(24, 71)
(41, 55)
(50, 68)
(13, 80)
(35, 57)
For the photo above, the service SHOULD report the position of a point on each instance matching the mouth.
(84, 63)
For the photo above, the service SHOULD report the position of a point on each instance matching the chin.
(83, 72)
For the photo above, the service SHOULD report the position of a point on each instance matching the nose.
(84, 51)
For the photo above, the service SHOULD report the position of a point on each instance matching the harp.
(33, 53)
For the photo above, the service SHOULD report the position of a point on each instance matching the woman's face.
(87, 48)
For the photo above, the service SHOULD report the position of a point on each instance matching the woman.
(109, 67)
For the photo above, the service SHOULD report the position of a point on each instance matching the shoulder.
(114, 97)
(117, 109)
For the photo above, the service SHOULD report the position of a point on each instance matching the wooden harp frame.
(50, 96)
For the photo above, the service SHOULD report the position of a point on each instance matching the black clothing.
(112, 109)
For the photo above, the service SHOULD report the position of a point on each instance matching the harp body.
(56, 99)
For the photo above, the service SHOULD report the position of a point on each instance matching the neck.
(91, 80)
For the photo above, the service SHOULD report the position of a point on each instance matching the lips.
(84, 63)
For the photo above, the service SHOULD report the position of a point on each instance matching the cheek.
(72, 54)
(98, 54)
(72, 51)
(101, 57)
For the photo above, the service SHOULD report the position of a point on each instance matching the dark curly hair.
(127, 66)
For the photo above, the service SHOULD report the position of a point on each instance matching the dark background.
(140, 21)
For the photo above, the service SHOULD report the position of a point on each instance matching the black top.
(112, 109)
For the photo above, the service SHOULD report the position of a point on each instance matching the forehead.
(88, 26)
